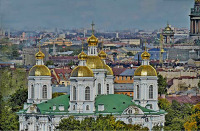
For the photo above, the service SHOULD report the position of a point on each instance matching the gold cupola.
(197, 1)
(145, 55)
(39, 69)
(102, 54)
(145, 69)
(82, 56)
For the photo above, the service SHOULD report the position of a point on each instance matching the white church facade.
(91, 94)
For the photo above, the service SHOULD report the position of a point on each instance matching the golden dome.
(94, 62)
(82, 56)
(145, 55)
(162, 50)
(110, 72)
(102, 54)
(39, 70)
(145, 70)
(82, 71)
(39, 55)
(92, 41)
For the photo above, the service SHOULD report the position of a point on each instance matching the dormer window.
(101, 107)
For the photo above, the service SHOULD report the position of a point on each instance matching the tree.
(193, 123)
(69, 123)
(101, 123)
(49, 62)
(56, 94)
(16, 100)
(162, 85)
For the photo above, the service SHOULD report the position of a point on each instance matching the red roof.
(118, 71)
(184, 99)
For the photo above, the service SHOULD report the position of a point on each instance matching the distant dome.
(145, 70)
(39, 70)
(197, 1)
(82, 71)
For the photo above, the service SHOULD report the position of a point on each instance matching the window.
(44, 91)
(107, 88)
(117, 77)
(122, 77)
(74, 93)
(130, 111)
(87, 107)
(32, 91)
(74, 107)
(136, 111)
(87, 93)
(151, 92)
(131, 78)
(99, 89)
(138, 92)
(130, 120)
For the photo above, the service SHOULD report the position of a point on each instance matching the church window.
(32, 91)
(44, 91)
(107, 88)
(130, 111)
(99, 89)
(87, 93)
(91, 51)
(87, 107)
(151, 92)
(74, 93)
(74, 107)
(138, 92)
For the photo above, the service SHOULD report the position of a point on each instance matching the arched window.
(74, 107)
(87, 93)
(138, 92)
(44, 91)
(74, 93)
(99, 88)
(87, 107)
(107, 88)
(151, 92)
(32, 91)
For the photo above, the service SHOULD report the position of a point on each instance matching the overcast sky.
(107, 14)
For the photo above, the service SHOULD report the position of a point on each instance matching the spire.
(82, 55)
(82, 45)
(145, 55)
(39, 54)
(92, 41)
(92, 27)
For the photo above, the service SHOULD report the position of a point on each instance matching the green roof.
(47, 107)
(113, 104)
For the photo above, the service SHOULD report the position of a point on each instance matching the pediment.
(133, 110)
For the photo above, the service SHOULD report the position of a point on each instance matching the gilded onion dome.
(82, 56)
(39, 55)
(94, 62)
(102, 54)
(145, 70)
(145, 55)
(92, 41)
(82, 71)
(39, 70)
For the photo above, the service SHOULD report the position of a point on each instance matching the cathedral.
(91, 94)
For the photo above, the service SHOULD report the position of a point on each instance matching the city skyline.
(107, 15)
